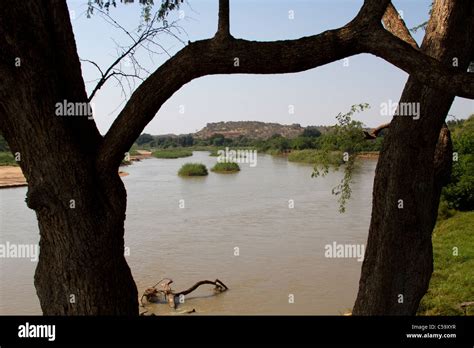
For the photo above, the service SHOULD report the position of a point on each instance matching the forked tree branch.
(364, 34)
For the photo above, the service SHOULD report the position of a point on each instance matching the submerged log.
(166, 294)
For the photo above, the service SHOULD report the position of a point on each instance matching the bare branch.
(146, 35)
(95, 64)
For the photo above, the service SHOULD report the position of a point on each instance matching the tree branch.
(374, 133)
(424, 68)
(223, 28)
(372, 12)
(396, 25)
(213, 56)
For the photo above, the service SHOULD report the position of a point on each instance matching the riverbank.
(12, 176)
(451, 290)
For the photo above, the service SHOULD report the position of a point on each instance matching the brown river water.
(235, 227)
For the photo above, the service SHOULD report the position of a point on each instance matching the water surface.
(280, 250)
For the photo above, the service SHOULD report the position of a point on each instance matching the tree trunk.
(410, 172)
(80, 206)
(82, 269)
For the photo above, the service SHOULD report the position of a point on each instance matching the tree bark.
(411, 169)
(80, 207)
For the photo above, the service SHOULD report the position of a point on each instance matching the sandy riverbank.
(12, 176)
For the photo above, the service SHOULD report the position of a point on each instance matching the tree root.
(166, 294)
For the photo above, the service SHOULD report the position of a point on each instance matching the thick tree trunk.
(80, 206)
(399, 262)
(82, 269)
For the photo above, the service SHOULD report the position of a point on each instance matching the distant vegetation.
(310, 138)
(230, 167)
(193, 169)
(172, 153)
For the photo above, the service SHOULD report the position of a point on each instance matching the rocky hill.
(249, 129)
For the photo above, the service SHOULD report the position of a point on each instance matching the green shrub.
(444, 212)
(193, 169)
(229, 167)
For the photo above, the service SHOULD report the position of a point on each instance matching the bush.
(193, 169)
(229, 167)
(171, 154)
(459, 193)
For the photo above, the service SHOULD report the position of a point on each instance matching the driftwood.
(166, 294)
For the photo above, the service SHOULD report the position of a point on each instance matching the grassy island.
(230, 167)
(193, 169)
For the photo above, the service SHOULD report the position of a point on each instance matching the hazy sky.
(317, 95)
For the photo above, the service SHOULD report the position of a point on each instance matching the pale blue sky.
(317, 95)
